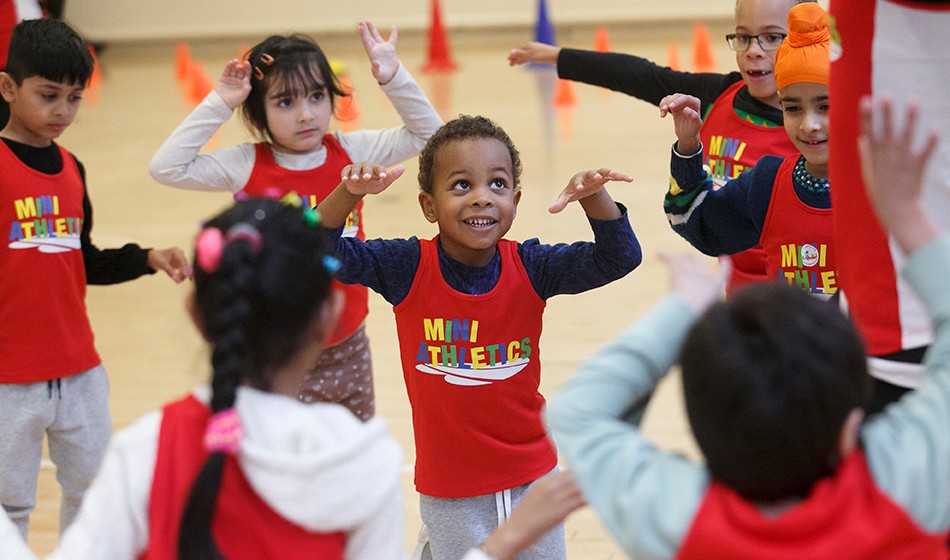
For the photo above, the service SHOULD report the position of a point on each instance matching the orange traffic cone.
(673, 57)
(346, 110)
(440, 57)
(564, 94)
(199, 84)
(95, 80)
(703, 58)
(601, 40)
(182, 62)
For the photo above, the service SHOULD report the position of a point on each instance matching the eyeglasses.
(740, 42)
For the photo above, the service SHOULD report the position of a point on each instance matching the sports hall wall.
(134, 20)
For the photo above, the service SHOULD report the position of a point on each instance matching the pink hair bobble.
(208, 248)
(224, 432)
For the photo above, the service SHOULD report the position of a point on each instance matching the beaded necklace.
(803, 179)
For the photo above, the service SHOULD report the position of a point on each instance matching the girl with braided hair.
(243, 469)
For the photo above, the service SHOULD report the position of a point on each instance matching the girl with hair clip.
(244, 470)
(287, 92)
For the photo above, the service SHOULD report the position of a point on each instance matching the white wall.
(131, 20)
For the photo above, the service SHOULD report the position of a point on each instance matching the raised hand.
(538, 53)
(692, 279)
(893, 162)
(586, 184)
(234, 85)
(382, 52)
(368, 178)
(686, 121)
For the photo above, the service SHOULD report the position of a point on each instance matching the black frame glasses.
(740, 42)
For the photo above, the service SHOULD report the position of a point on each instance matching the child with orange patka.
(742, 117)
(468, 305)
(52, 381)
(287, 92)
(782, 205)
(775, 383)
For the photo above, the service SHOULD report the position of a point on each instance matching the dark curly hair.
(465, 127)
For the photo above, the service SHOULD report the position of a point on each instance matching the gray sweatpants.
(453, 526)
(73, 412)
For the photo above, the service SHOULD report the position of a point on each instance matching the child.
(742, 116)
(51, 378)
(781, 205)
(869, 57)
(244, 470)
(468, 306)
(287, 93)
(774, 382)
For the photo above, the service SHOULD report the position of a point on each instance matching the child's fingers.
(615, 175)
(559, 204)
(393, 34)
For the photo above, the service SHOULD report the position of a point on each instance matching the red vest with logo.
(243, 526)
(313, 185)
(733, 145)
(846, 517)
(472, 368)
(45, 331)
(798, 239)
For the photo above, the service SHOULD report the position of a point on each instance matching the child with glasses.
(782, 204)
(742, 118)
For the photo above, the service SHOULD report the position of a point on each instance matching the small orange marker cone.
(703, 58)
(95, 80)
(601, 40)
(199, 84)
(564, 94)
(182, 62)
(673, 57)
(346, 110)
(440, 57)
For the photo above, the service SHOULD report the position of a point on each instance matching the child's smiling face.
(805, 111)
(473, 198)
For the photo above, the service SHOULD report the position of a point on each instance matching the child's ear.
(7, 87)
(850, 430)
(427, 203)
(517, 200)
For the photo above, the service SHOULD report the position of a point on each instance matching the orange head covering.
(803, 55)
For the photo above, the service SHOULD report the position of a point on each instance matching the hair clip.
(208, 249)
(291, 199)
(245, 232)
(311, 216)
(224, 432)
(266, 60)
(331, 264)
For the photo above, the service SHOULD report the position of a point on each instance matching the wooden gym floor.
(153, 354)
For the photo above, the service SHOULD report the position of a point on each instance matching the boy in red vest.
(51, 379)
(468, 306)
(742, 117)
(775, 383)
(782, 205)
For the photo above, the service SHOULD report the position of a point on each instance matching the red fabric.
(313, 185)
(846, 517)
(45, 331)
(244, 527)
(868, 276)
(477, 431)
(734, 145)
(8, 20)
(798, 238)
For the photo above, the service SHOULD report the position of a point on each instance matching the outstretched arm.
(356, 181)
(534, 52)
(906, 445)
(587, 187)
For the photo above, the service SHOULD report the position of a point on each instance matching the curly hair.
(465, 127)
